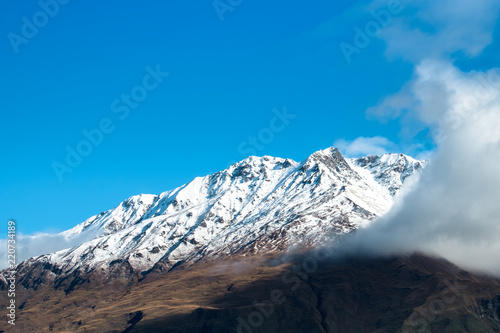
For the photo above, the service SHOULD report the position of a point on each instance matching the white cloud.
(441, 96)
(28, 246)
(363, 146)
(393, 106)
(436, 29)
(453, 210)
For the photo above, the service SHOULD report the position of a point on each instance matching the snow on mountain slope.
(389, 170)
(258, 204)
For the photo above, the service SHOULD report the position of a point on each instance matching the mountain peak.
(260, 204)
(389, 170)
(328, 152)
(332, 161)
(254, 167)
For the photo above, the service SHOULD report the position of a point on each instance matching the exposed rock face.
(390, 170)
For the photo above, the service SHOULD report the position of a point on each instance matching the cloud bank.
(28, 246)
(453, 210)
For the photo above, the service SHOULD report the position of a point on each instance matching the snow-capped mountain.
(259, 204)
(389, 170)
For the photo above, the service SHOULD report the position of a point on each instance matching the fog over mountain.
(453, 210)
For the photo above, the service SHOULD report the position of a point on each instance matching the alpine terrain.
(259, 205)
(204, 257)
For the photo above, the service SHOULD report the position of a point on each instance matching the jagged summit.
(390, 170)
(260, 204)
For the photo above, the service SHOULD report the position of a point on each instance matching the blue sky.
(225, 79)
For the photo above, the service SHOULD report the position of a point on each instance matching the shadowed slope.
(411, 294)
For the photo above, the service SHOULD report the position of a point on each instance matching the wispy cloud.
(436, 29)
(28, 246)
(363, 146)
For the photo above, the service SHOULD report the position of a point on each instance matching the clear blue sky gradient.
(226, 77)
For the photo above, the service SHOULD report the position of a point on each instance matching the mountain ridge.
(259, 204)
